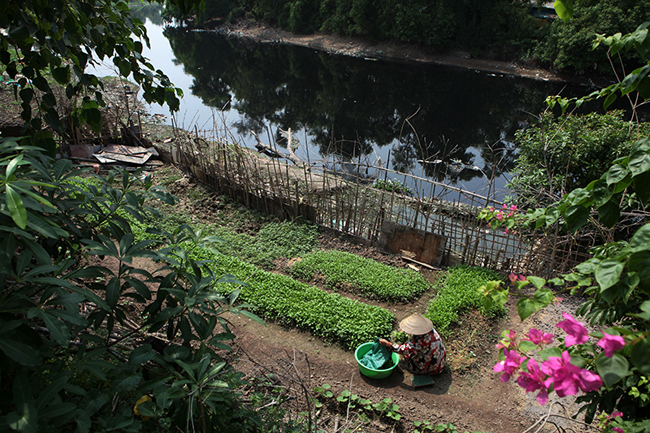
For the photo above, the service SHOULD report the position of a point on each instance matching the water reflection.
(446, 123)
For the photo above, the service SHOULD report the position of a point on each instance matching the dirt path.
(473, 400)
(358, 47)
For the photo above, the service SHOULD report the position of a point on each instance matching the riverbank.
(373, 50)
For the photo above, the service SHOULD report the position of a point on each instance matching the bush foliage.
(69, 355)
(560, 154)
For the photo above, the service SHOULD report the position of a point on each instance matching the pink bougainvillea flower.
(617, 430)
(534, 380)
(568, 378)
(513, 207)
(611, 343)
(538, 337)
(499, 215)
(509, 365)
(505, 206)
(506, 231)
(514, 278)
(507, 339)
(577, 333)
(615, 414)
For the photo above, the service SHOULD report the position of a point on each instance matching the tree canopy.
(49, 44)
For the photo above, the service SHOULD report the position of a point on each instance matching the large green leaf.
(16, 207)
(25, 420)
(608, 273)
(613, 369)
(641, 239)
(525, 307)
(20, 352)
(616, 174)
(640, 354)
(576, 217)
(57, 328)
(141, 355)
(639, 162)
(564, 9)
(609, 213)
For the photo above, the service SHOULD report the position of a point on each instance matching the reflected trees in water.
(350, 107)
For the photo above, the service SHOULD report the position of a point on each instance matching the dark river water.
(450, 124)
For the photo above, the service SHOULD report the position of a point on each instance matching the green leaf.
(16, 207)
(113, 292)
(536, 281)
(49, 394)
(26, 420)
(56, 410)
(640, 354)
(527, 346)
(62, 74)
(609, 100)
(525, 307)
(616, 174)
(609, 213)
(613, 369)
(551, 352)
(543, 297)
(576, 217)
(641, 239)
(57, 328)
(20, 352)
(564, 9)
(13, 165)
(639, 162)
(141, 355)
(608, 273)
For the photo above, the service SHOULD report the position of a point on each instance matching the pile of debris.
(132, 152)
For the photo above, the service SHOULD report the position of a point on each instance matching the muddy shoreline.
(408, 53)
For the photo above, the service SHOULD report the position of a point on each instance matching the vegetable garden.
(290, 300)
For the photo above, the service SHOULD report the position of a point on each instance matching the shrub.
(561, 154)
(367, 276)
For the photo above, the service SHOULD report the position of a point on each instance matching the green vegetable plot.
(366, 276)
(274, 240)
(458, 291)
(292, 303)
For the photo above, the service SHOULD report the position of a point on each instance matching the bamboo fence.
(349, 204)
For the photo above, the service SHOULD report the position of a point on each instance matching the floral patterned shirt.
(423, 354)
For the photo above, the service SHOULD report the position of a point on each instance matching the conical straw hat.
(416, 324)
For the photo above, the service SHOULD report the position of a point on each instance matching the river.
(450, 124)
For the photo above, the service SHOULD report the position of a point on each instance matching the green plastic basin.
(370, 372)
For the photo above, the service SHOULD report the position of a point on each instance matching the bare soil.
(467, 394)
(394, 51)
